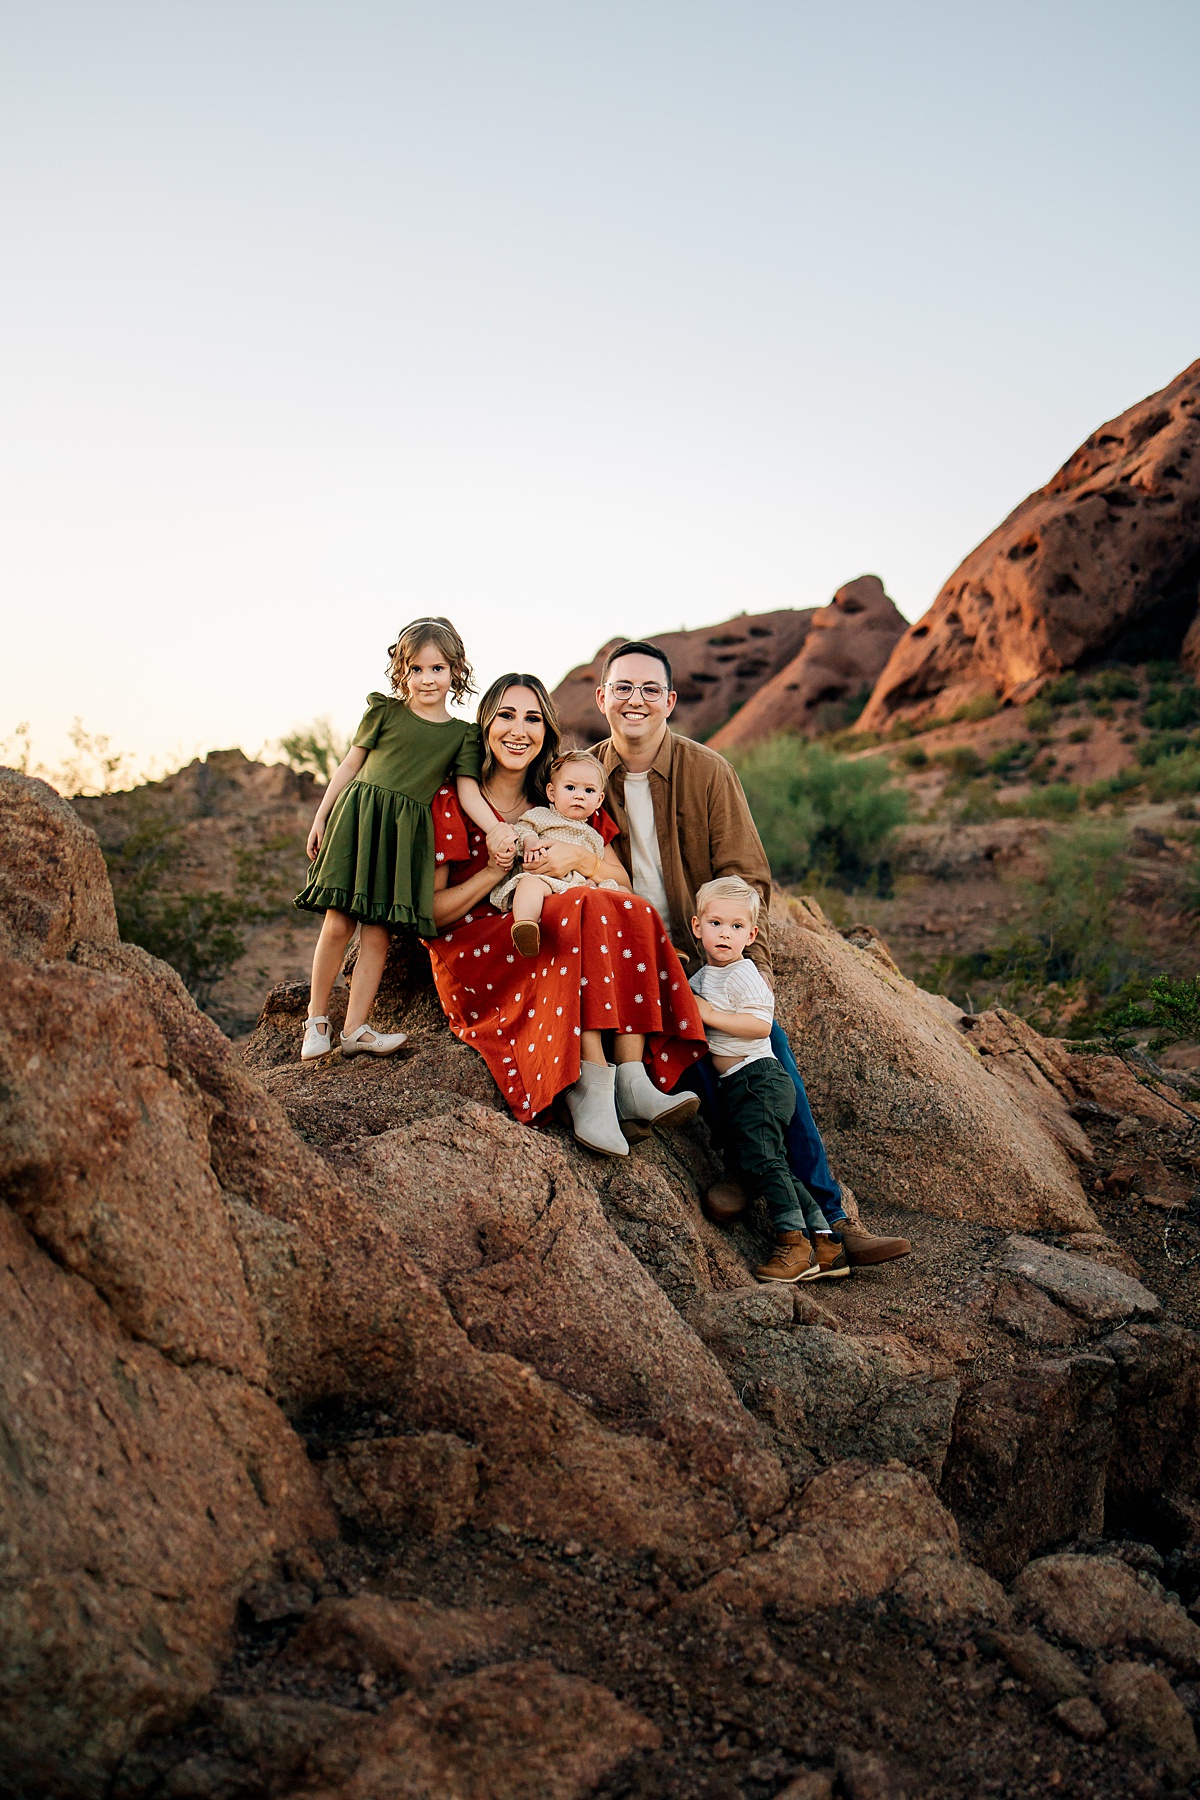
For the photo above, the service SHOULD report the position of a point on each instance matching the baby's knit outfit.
(546, 822)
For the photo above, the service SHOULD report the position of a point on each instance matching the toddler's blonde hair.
(729, 887)
(441, 634)
(577, 756)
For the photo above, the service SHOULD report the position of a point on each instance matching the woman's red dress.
(604, 954)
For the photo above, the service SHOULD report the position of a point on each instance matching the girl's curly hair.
(441, 634)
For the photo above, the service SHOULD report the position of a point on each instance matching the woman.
(606, 963)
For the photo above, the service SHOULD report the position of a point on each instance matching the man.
(683, 820)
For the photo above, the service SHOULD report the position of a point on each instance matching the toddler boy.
(755, 1093)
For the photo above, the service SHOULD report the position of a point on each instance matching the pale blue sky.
(565, 319)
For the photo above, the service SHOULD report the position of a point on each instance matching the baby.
(755, 1093)
(575, 789)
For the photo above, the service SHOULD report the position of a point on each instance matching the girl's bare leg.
(368, 972)
(591, 1047)
(336, 933)
(529, 896)
(628, 1047)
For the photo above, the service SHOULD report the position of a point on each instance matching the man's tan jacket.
(704, 830)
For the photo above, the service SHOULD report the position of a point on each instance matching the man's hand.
(558, 860)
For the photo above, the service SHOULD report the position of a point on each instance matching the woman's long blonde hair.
(441, 634)
(538, 772)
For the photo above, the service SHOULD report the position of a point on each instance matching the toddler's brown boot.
(793, 1259)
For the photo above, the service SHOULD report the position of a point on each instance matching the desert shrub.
(961, 762)
(1072, 944)
(1057, 800)
(818, 812)
(1175, 775)
(1170, 708)
(318, 748)
(1063, 690)
(1011, 763)
(984, 706)
(1039, 716)
(914, 757)
(1170, 1009)
(1079, 735)
(200, 933)
(1116, 786)
(1112, 684)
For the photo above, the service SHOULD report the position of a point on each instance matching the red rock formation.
(842, 657)
(1105, 559)
(716, 669)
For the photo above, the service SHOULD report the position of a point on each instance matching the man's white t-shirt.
(644, 854)
(738, 987)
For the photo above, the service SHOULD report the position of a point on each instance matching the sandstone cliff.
(716, 669)
(839, 662)
(1102, 561)
(359, 1442)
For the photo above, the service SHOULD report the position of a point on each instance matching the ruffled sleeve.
(469, 760)
(601, 822)
(367, 735)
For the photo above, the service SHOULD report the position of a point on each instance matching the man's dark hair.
(637, 649)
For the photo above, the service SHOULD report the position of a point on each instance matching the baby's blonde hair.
(578, 756)
(729, 887)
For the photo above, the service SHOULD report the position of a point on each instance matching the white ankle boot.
(362, 1041)
(318, 1039)
(593, 1109)
(638, 1098)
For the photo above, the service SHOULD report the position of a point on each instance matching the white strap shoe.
(318, 1039)
(593, 1110)
(362, 1041)
(639, 1099)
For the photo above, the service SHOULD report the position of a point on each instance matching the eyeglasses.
(651, 691)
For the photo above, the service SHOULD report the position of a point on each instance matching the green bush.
(1063, 690)
(1057, 800)
(914, 757)
(821, 813)
(984, 706)
(1112, 684)
(317, 748)
(1123, 782)
(1072, 942)
(1170, 1009)
(961, 761)
(1175, 775)
(1170, 708)
(1010, 764)
(1039, 716)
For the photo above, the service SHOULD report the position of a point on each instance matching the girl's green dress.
(377, 860)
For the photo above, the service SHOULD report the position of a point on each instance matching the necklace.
(515, 811)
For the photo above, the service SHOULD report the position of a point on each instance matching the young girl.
(574, 790)
(371, 843)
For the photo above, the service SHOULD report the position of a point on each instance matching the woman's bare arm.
(342, 776)
(453, 903)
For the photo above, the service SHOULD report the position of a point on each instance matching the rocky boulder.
(840, 660)
(54, 890)
(715, 669)
(1103, 560)
(910, 1111)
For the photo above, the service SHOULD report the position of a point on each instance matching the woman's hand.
(316, 838)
